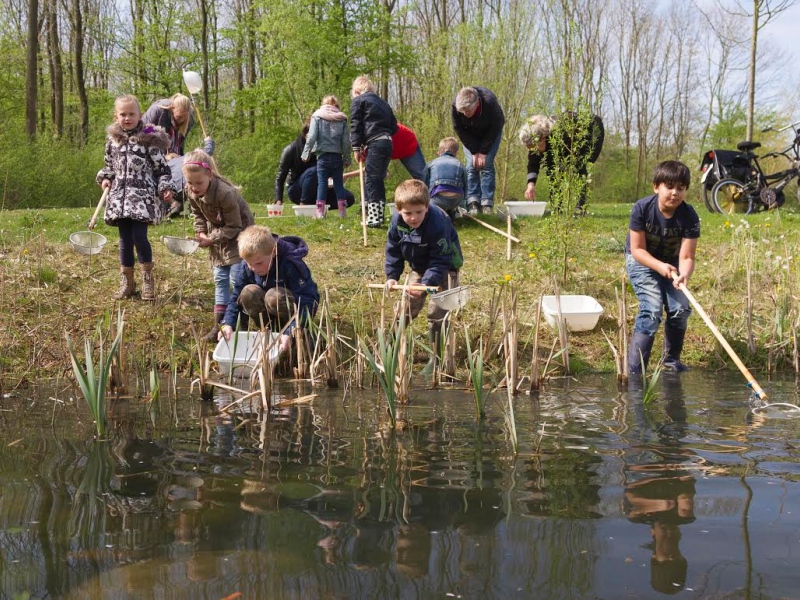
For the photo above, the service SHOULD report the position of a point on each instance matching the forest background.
(669, 78)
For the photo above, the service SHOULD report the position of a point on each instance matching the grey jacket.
(328, 133)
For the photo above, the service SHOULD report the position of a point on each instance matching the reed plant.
(650, 383)
(388, 363)
(476, 375)
(93, 377)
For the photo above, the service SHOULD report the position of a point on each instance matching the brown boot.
(127, 286)
(212, 335)
(148, 284)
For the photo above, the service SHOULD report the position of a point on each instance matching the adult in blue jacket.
(478, 121)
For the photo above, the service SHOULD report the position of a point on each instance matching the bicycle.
(757, 190)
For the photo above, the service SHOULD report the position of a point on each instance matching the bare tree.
(31, 84)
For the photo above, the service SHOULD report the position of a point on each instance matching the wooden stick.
(508, 235)
(495, 229)
(420, 288)
(199, 116)
(751, 381)
(363, 201)
(100, 204)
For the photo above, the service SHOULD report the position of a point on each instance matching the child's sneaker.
(342, 204)
(319, 213)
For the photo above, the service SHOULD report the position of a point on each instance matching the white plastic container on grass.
(581, 313)
(243, 352)
(306, 210)
(525, 208)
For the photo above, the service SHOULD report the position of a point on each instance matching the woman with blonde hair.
(174, 115)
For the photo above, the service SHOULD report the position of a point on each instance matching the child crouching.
(273, 285)
(424, 237)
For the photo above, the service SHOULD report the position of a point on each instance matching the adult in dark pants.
(302, 176)
(579, 143)
(478, 121)
(372, 125)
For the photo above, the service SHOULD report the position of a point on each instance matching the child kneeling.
(662, 240)
(273, 285)
(424, 237)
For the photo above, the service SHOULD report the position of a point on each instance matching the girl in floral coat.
(137, 174)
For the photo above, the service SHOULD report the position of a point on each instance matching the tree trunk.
(80, 74)
(31, 88)
(56, 69)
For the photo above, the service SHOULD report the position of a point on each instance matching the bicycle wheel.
(730, 197)
(708, 187)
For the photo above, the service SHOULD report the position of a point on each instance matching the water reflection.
(320, 500)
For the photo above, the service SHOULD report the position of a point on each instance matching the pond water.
(692, 495)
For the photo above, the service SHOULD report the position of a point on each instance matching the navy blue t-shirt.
(663, 235)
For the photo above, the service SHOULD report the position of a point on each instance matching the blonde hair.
(182, 102)
(124, 99)
(467, 99)
(256, 240)
(448, 144)
(361, 84)
(411, 192)
(332, 100)
(197, 161)
(534, 129)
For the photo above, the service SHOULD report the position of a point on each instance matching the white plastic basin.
(306, 210)
(581, 313)
(526, 209)
(243, 352)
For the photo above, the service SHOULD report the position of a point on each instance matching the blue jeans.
(655, 293)
(448, 203)
(330, 164)
(304, 190)
(480, 186)
(415, 164)
(224, 278)
(379, 155)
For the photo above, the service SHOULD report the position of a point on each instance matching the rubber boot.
(673, 346)
(319, 213)
(127, 285)
(434, 333)
(375, 212)
(213, 335)
(639, 352)
(148, 283)
(342, 204)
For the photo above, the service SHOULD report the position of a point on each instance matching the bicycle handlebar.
(771, 128)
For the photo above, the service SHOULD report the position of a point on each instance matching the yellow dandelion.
(507, 277)
(532, 255)
(727, 223)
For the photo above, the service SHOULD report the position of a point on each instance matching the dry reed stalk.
(203, 365)
(536, 378)
(620, 359)
(331, 370)
(449, 358)
(751, 342)
(494, 313)
(795, 353)
(510, 343)
(563, 334)
(402, 380)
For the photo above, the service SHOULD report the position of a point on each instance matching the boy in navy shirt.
(662, 240)
(424, 237)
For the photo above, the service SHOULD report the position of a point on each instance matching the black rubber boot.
(434, 335)
(639, 350)
(673, 346)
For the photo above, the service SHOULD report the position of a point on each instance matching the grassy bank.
(46, 288)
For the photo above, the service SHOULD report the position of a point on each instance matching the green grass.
(34, 250)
